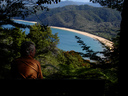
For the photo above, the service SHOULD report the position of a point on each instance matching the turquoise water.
(68, 41)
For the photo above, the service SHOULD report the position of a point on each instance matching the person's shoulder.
(37, 62)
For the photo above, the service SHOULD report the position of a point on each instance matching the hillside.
(103, 22)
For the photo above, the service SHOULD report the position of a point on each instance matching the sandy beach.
(103, 40)
(24, 21)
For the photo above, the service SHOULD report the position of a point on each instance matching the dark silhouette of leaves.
(114, 4)
(20, 8)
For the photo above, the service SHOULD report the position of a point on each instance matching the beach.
(103, 40)
(107, 43)
(24, 20)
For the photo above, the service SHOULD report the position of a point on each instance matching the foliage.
(108, 66)
(20, 8)
(70, 65)
(43, 38)
(56, 63)
(62, 62)
(73, 58)
(89, 52)
(11, 40)
(114, 4)
(69, 72)
(10, 43)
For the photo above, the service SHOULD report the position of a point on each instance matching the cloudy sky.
(78, 0)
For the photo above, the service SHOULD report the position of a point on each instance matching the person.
(26, 67)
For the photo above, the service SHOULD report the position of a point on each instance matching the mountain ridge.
(66, 3)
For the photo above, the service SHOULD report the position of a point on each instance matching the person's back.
(26, 67)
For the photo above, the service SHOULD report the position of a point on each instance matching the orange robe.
(26, 68)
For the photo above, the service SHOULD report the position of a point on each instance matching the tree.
(10, 43)
(114, 4)
(124, 22)
(120, 5)
(10, 39)
(43, 38)
(20, 8)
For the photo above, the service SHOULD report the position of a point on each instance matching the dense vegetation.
(55, 63)
(11, 40)
(104, 22)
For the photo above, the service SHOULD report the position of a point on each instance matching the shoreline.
(107, 43)
(103, 40)
(24, 20)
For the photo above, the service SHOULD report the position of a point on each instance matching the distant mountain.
(100, 21)
(65, 3)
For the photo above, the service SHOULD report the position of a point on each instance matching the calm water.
(69, 42)
(67, 39)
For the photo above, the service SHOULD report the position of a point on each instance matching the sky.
(78, 0)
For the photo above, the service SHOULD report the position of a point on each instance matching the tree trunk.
(124, 22)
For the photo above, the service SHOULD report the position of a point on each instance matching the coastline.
(107, 43)
(24, 20)
(103, 40)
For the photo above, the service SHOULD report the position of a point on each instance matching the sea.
(68, 41)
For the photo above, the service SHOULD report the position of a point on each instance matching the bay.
(68, 41)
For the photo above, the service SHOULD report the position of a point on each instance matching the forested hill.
(101, 21)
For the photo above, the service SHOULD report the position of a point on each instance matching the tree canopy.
(114, 4)
(20, 8)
